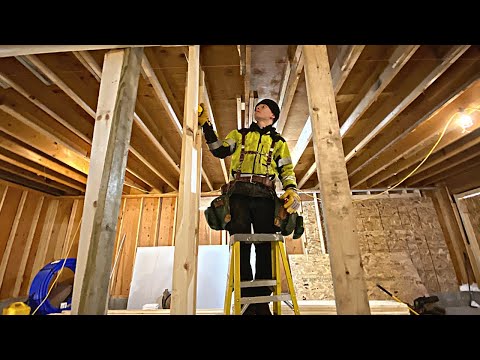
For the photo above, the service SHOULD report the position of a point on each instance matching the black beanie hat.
(273, 107)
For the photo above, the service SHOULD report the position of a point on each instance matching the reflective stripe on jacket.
(257, 146)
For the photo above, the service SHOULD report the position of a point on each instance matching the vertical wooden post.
(453, 233)
(472, 245)
(319, 224)
(347, 271)
(28, 245)
(111, 139)
(11, 238)
(186, 227)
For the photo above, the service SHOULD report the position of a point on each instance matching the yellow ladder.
(234, 284)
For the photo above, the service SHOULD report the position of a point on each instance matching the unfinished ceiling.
(393, 103)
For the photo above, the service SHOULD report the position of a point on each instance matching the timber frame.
(128, 112)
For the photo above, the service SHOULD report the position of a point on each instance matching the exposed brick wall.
(402, 248)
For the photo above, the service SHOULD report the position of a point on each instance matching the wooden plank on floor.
(306, 307)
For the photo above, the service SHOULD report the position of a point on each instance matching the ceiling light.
(465, 121)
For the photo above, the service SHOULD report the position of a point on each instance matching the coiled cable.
(39, 289)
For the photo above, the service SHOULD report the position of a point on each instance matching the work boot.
(262, 309)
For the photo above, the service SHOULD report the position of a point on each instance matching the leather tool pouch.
(287, 223)
(218, 213)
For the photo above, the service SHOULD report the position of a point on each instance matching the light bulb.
(465, 121)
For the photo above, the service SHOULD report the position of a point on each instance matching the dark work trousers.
(259, 211)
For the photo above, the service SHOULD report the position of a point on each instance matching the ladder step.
(264, 299)
(255, 283)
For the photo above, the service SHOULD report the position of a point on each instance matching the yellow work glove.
(202, 114)
(292, 200)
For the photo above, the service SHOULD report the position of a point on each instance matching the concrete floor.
(457, 303)
(454, 303)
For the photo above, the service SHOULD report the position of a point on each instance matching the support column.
(111, 138)
(347, 270)
(186, 230)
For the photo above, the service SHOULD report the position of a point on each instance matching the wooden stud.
(184, 265)
(111, 137)
(347, 271)
(11, 238)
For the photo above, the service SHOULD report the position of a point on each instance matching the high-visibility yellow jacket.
(257, 147)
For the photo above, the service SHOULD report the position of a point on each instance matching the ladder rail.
(234, 284)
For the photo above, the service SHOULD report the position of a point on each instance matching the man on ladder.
(259, 154)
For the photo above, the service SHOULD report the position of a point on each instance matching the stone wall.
(402, 248)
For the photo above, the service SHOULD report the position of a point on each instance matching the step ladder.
(234, 284)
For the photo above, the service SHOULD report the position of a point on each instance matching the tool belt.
(258, 179)
(218, 213)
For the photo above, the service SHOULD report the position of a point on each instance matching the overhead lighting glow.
(465, 121)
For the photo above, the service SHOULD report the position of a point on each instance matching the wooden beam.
(344, 64)
(287, 98)
(45, 236)
(308, 174)
(71, 148)
(399, 58)
(428, 131)
(283, 87)
(153, 58)
(460, 167)
(346, 59)
(71, 223)
(452, 230)
(24, 174)
(91, 64)
(155, 142)
(147, 68)
(471, 242)
(465, 181)
(448, 60)
(442, 168)
(318, 222)
(452, 144)
(404, 128)
(302, 143)
(206, 98)
(65, 88)
(43, 107)
(347, 271)
(11, 237)
(239, 112)
(455, 147)
(185, 256)
(15, 50)
(114, 118)
(306, 307)
(158, 89)
(86, 60)
(6, 142)
(44, 172)
(153, 169)
(59, 82)
(31, 185)
(28, 245)
(247, 58)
